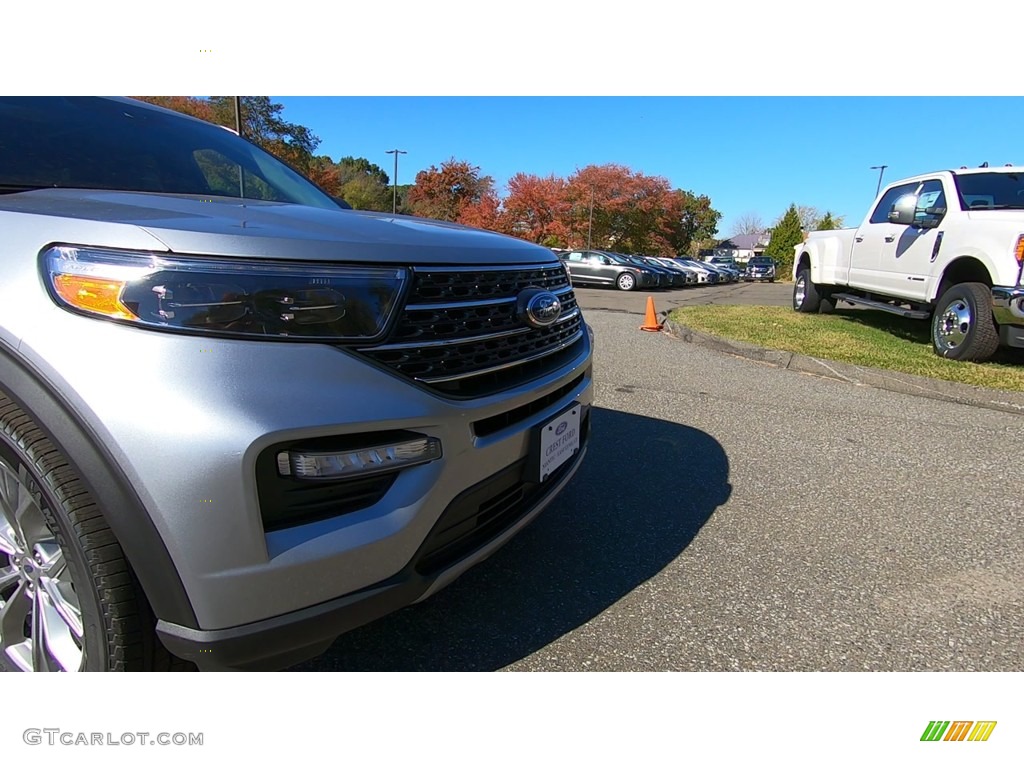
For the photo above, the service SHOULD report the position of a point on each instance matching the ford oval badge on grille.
(538, 308)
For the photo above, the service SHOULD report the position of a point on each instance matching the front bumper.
(185, 420)
(647, 280)
(287, 640)
(1008, 310)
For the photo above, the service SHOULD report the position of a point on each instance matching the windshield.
(92, 143)
(761, 261)
(619, 258)
(990, 190)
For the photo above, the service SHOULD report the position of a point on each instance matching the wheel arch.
(119, 504)
(962, 269)
(803, 261)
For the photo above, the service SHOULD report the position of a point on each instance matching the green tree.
(263, 124)
(785, 237)
(691, 220)
(828, 221)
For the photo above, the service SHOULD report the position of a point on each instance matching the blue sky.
(748, 154)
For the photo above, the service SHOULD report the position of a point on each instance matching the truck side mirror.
(903, 210)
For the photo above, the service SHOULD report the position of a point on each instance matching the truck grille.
(459, 332)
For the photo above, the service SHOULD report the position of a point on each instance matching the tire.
(962, 324)
(626, 281)
(68, 600)
(805, 293)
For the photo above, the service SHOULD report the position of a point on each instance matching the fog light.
(316, 465)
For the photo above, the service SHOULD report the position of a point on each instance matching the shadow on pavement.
(645, 489)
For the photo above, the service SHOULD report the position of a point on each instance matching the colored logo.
(958, 730)
(562, 427)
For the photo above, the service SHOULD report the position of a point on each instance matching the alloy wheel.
(40, 616)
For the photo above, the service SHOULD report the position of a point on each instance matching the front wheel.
(962, 326)
(625, 282)
(68, 600)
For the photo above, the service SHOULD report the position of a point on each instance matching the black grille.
(460, 334)
(493, 424)
(445, 286)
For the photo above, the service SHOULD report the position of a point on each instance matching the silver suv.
(236, 420)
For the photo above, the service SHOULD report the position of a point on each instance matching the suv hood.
(218, 226)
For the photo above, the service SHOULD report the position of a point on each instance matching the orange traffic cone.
(651, 320)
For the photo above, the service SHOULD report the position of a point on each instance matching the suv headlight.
(230, 297)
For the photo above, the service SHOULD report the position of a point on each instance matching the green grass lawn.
(861, 337)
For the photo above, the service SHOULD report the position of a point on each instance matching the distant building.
(742, 247)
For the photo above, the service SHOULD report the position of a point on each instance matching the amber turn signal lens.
(93, 294)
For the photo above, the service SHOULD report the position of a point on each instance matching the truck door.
(874, 234)
(906, 261)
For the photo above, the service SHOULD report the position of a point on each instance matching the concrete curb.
(905, 383)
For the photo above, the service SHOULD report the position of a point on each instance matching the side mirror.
(903, 210)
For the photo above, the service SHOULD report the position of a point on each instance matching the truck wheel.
(625, 282)
(805, 293)
(962, 325)
(68, 600)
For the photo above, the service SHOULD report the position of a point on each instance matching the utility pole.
(881, 170)
(590, 225)
(394, 181)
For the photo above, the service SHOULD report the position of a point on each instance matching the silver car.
(236, 420)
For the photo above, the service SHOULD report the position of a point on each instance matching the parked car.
(705, 275)
(760, 268)
(603, 268)
(726, 274)
(670, 278)
(725, 261)
(688, 274)
(945, 246)
(236, 425)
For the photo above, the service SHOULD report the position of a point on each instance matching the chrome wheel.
(626, 282)
(40, 616)
(800, 291)
(953, 325)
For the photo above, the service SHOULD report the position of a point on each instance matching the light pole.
(881, 170)
(590, 224)
(238, 130)
(394, 181)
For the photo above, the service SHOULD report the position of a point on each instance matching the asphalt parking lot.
(763, 294)
(736, 516)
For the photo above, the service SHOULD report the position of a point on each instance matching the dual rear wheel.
(962, 326)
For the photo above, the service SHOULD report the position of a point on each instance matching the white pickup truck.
(946, 246)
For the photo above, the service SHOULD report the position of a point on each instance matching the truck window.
(990, 190)
(931, 203)
(881, 213)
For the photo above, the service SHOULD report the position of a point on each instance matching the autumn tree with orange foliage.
(537, 209)
(456, 192)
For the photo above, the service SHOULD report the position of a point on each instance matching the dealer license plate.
(559, 441)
